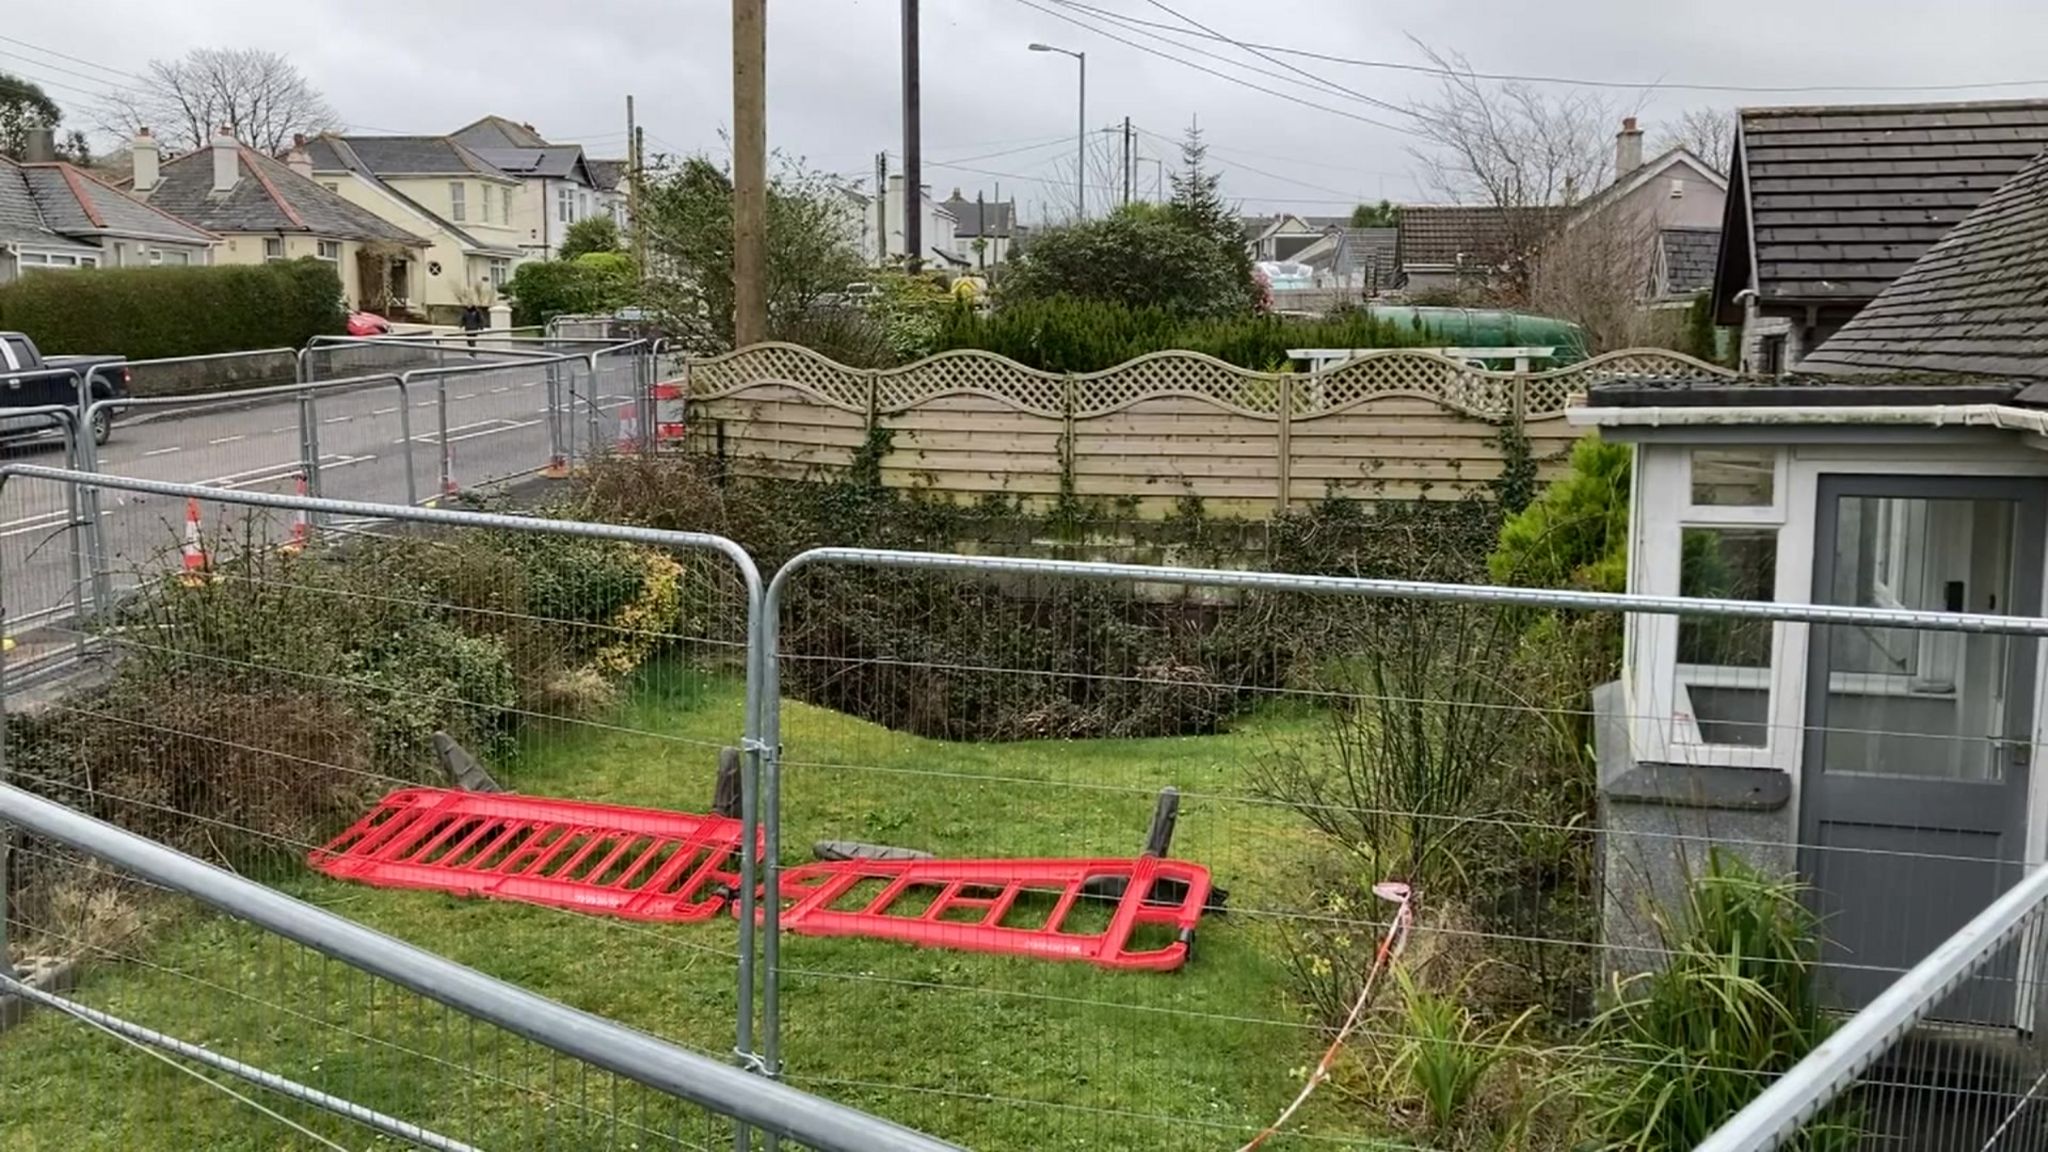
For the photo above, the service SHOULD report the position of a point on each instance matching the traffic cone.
(193, 552)
(448, 485)
(629, 429)
(302, 527)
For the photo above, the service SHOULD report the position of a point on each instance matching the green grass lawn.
(992, 1052)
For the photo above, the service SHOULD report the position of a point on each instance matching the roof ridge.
(1865, 109)
(270, 188)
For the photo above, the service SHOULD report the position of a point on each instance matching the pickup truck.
(34, 380)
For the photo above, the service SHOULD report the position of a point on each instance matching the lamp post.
(1080, 134)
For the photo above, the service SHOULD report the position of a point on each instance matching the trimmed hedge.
(1065, 334)
(147, 313)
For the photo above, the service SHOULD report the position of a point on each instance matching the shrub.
(148, 313)
(1733, 1008)
(598, 234)
(1576, 534)
(1140, 259)
(593, 283)
(1067, 334)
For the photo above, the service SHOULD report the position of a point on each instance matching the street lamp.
(1081, 133)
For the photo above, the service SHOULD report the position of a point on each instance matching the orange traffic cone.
(302, 526)
(193, 551)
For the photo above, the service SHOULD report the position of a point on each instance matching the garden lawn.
(991, 1052)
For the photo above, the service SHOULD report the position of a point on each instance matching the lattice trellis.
(1454, 384)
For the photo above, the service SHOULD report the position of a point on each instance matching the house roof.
(21, 221)
(398, 156)
(498, 132)
(555, 161)
(269, 197)
(76, 203)
(968, 216)
(344, 154)
(1655, 168)
(1435, 235)
(1975, 303)
(1686, 258)
(1830, 204)
(606, 174)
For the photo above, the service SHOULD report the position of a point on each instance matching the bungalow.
(437, 189)
(262, 210)
(57, 215)
(1889, 767)
(1827, 205)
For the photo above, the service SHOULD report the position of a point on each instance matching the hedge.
(1065, 334)
(148, 313)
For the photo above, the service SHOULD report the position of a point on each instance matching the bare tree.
(1708, 133)
(259, 95)
(1515, 147)
(1597, 273)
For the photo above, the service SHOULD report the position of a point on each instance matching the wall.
(436, 295)
(1392, 426)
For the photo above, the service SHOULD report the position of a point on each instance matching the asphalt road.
(496, 424)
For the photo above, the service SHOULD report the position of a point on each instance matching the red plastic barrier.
(639, 863)
(970, 900)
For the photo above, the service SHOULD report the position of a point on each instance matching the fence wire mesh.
(256, 702)
(1624, 925)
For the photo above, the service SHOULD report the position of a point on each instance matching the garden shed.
(1890, 768)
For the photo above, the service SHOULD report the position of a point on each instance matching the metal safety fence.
(1063, 854)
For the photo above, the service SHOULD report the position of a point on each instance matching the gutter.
(1998, 416)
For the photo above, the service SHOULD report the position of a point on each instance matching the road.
(496, 422)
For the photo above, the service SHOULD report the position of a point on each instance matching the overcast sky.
(833, 71)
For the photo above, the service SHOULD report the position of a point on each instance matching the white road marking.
(501, 388)
(226, 440)
(425, 404)
(472, 431)
(382, 411)
(336, 419)
(286, 428)
(165, 451)
(529, 383)
(463, 396)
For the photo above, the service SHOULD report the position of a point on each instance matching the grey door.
(1913, 800)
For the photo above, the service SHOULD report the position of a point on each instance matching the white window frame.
(270, 242)
(497, 270)
(322, 250)
(458, 201)
(1666, 729)
(565, 204)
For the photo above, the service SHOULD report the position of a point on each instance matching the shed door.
(1913, 801)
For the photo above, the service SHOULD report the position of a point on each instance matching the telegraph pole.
(1127, 161)
(749, 171)
(881, 209)
(913, 146)
(633, 193)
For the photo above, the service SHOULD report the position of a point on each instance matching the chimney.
(39, 145)
(227, 161)
(1628, 148)
(145, 156)
(298, 159)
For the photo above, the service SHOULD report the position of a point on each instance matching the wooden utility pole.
(913, 147)
(749, 171)
(1127, 161)
(638, 240)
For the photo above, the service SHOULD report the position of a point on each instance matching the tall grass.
(1734, 1007)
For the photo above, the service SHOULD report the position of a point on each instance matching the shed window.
(1724, 664)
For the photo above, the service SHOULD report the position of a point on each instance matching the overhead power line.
(1238, 80)
(1297, 69)
(1537, 78)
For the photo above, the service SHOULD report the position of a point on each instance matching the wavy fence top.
(1387, 372)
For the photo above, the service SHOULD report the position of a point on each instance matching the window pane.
(1733, 477)
(1724, 664)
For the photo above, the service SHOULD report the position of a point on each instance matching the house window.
(501, 270)
(565, 204)
(330, 250)
(273, 248)
(174, 257)
(1724, 664)
(457, 210)
(508, 205)
(485, 204)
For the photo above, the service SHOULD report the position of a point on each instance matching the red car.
(368, 324)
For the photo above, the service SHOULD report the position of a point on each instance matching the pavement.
(496, 430)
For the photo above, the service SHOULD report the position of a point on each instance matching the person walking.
(472, 323)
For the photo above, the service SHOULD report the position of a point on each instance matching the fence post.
(6, 826)
(1069, 486)
(412, 484)
(309, 444)
(1284, 406)
(87, 455)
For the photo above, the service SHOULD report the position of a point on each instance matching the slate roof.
(70, 201)
(606, 174)
(497, 132)
(1841, 200)
(269, 197)
(556, 161)
(399, 156)
(344, 154)
(1439, 235)
(967, 216)
(1975, 303)
(1685, 259)
(21, 221)
(1376, 249)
